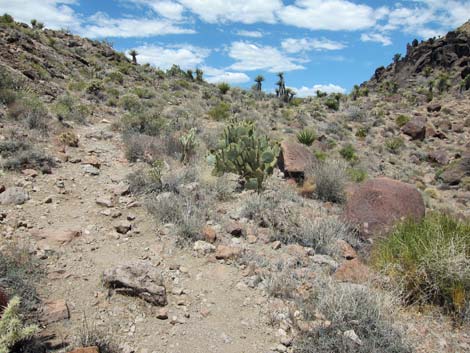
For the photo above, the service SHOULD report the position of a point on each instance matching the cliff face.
(449, 54)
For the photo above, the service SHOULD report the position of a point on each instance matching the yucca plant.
(306, 137)
(223, 87)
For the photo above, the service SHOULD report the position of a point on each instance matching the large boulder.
(140, 279)
(294, 158)
(416, 128)
(377, 204)
(14, 196)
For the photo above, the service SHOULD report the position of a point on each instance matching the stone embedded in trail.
(140, 279)
(377, 204)
(294, 158)
(416, 128)
(14, 196)
(123, 227)
(55, 237)
(105, 201)
(55, 311)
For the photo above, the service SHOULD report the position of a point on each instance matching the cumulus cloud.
(214, 75)
(252, 11)
(312, 91)
(55, 14)
(251, 57)
(251, 34)
(168, 9)
(328, 15)
(376, 37)
(186, 56)
(292, 45)
(102, 25)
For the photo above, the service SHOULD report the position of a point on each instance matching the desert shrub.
(68, 108)
(69, 138)
(332, 102)
(6, 19)
(394, 144)
(431, 259)
(12, 329)
(306, 137)
(351, 311)
(116, 76)
(223, 87)
(188, 145)
(131, 103)
(91, 336)
(148, 122)
(348, 152)
(330, 179)
(401, 120)
(18, 155)
(355, 113)
(357, 175)
(245, 152)
(362, 132)
(8, 87)
(19, 274)
(95, 87)
(220, 112)
(29, 110)
(144, 92)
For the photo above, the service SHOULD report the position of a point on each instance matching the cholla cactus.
(188, 142)
(12, 329)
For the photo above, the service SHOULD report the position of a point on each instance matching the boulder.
(457, 170)
(439, 157)
(224, 252)
(377, 204)
(209, 234)
(416, 128)
(14, 196)
(140, 279)
(294, 158)
(203, 247)
(434, 107)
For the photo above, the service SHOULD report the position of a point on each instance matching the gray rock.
(14, 196)
(140, 279)
(89, 169)
(203, 247)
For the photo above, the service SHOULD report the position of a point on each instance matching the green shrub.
(68, 108)
(348, 152)
(148, 122)
(394, 144)
(244, 152)
(144, 92)
(357, 175)
(131, 103)
(320, 155)
(306, 137)
(29, 110)
(431, 259)
(332, 102)
(9, 87)
(223, 87)
(402, 120)
(362, 132)
(20, 155)
(6, 19)
(220, 112)
(116, 76)
(94, 87)
(360, 320)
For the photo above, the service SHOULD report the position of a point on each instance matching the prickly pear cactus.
(242, 151)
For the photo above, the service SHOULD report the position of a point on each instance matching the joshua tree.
(189, 73)
(37, 25)
(134, 54)
(199, 74)
(259, 79)
(281, 91)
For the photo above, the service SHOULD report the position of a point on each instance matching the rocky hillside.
(150, 211)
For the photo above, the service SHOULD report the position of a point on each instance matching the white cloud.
(214, 75)
(251, 57)
(168, 9)
(292, 45)
(186, 56)
(329, 15)
(251, 34)
(252, 11)
(103, 26)
(376, 37)
(329, 88)
(55, 14)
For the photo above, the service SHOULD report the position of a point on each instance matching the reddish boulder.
(377, 204)
(416, 128)
(224, 252)
(439, 157)
(294, 158)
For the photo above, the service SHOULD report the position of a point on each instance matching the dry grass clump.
(17, 154)
(330, 179)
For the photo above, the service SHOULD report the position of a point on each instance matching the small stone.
(235, 229)
(251, 239)
(29, 173)
(352, 336)
(276, 245)
(48, 199)
(162, 314)
(105, 201)
(123, 227)
(89, 169)
(224, 252)
(203, 247)
(209, 234)
(93, 161)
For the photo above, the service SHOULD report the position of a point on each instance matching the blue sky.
(319, 44)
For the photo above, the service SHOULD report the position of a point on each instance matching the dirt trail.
(208, 311)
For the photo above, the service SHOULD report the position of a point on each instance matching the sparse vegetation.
(330, 180)
(306, 137)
